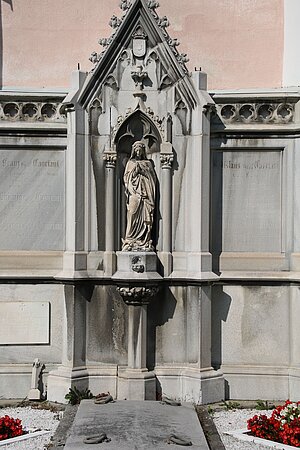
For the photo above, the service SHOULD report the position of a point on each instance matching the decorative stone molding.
(31, 111)
(159, 122)
(259, 112)
(133, 45)
(110, 158)
(162, 22)
(137, 295)
(166, 160)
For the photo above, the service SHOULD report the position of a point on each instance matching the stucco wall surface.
(239, 43)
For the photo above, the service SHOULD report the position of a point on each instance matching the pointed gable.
(142, 34)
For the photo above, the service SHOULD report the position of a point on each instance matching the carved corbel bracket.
(110, 158)
(137, 295)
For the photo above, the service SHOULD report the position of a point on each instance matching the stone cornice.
(261, 111)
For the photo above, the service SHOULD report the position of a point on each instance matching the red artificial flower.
(10, 427)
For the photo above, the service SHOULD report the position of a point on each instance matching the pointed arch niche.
(137, 126)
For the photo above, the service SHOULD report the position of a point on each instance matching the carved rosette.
(110, 159)
(166, 160)
(137, 295)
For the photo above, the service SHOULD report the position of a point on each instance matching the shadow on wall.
(1, 39)
(220, 308)
(160, 311)
(216, 191)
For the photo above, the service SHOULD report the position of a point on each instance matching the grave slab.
(135, 425)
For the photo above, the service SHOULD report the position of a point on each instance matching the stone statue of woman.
(139, 179)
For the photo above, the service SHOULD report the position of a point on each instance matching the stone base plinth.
(64, 378)
(199, 386)
(136, 384)
(34, 394)
(136, 266)
(109, 263)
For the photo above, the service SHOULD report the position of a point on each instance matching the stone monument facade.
(148, 125)
(149, 239)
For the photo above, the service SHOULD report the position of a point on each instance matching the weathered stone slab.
(247, 201)
(24, 323)
(32, 199)
(135, 425)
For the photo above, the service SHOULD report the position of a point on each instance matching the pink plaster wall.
(239, 43)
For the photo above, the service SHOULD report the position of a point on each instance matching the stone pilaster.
(135, 382)
(166, 159)
(72, 372)
(110, 158)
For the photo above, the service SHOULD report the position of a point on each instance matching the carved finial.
(139, 76)
(115, 22)
(152, 4)
(124, 5)
(163, 22)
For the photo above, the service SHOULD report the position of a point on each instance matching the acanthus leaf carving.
(110, 158)
(137, 295)
(166, 160)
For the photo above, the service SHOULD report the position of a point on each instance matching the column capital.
(110, 158)
(166, 160)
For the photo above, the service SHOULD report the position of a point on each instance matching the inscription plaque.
(32, 200)
(24, 323)
(246, 201)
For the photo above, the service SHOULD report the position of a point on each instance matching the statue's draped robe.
(139, 179)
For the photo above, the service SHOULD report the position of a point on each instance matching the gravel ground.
(32, 418)
(236, 420)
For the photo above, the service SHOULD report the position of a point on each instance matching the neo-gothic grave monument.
(145, 235)
(147, 121)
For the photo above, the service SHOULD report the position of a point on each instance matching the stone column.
(166, 158)
(135, 382)
(137, 336)
(110, 158)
